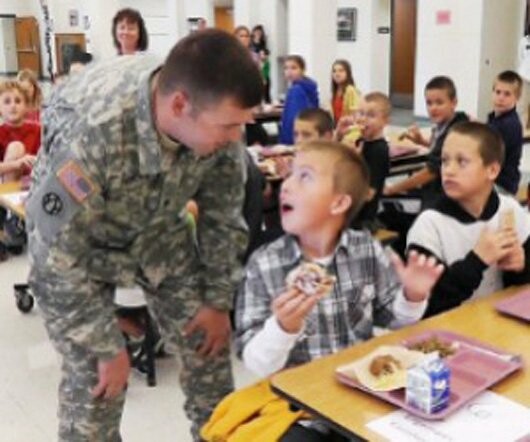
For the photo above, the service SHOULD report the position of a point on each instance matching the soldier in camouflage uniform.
(125, 145)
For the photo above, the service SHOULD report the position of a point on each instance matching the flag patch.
(74, 180)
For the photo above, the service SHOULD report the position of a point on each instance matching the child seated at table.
(19, 138)
(505, 120)
(441, 102)
(276, 326)
(481, 237)
(313, 124)
(302, 94)
(372, 117)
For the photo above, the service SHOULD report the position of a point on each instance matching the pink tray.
(397, 150)
(516, 305)
(474, 368)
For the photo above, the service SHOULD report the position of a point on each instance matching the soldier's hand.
(215, 324)
(112, 376)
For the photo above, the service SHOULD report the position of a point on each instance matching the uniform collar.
(149, 149)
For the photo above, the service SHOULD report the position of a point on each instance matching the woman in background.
(129, 32)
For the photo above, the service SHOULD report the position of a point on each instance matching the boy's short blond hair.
(350, 173)
(13, 85)
(512, 78)
(381, 100)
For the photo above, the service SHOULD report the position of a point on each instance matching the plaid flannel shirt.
(363, 295)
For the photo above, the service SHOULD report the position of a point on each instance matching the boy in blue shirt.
(504, 119)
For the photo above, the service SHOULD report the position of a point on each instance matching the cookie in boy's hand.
(311, 279)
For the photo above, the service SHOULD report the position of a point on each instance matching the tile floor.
(29, 375)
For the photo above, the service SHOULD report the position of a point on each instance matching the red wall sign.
(443, 17)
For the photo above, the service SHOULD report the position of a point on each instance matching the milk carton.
(428, 386)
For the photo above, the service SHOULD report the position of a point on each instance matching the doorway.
(403, 52)
(28, 44)
(224, 19)
(65, 47)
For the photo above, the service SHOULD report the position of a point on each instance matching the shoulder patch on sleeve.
(75, 181)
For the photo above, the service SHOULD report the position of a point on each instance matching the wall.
(311, 28)
(17, 7)
(380, 56)
(449, 49)
(480, 40)
(358, 52)
(499, 48)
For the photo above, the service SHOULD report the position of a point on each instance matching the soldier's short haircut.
(490, 144)
(210, 66)
(444, 83)
(13, 85)
(350, 173)
(513, 78)
(319, 117)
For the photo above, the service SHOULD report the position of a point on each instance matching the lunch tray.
(517, 305)
(475, 367)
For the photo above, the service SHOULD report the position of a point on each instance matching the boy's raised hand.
(418, 276)
(494, 245)
(414, 134)
(291, 308)
(343, 126)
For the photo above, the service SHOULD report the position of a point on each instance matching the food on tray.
(384, 365)
(391, 362)
(433, 344)
(507, 219)
(403, 135)
(310, 278)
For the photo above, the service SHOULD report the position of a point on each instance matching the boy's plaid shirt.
(363, 295)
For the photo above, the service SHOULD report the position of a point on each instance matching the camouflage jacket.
(108, 195)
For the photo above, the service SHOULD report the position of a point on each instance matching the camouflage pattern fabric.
(106, 209)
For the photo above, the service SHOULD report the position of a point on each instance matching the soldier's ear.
(179, 103)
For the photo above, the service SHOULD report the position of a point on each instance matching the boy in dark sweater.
(504, 120)
(441, 102)
(482, 238)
